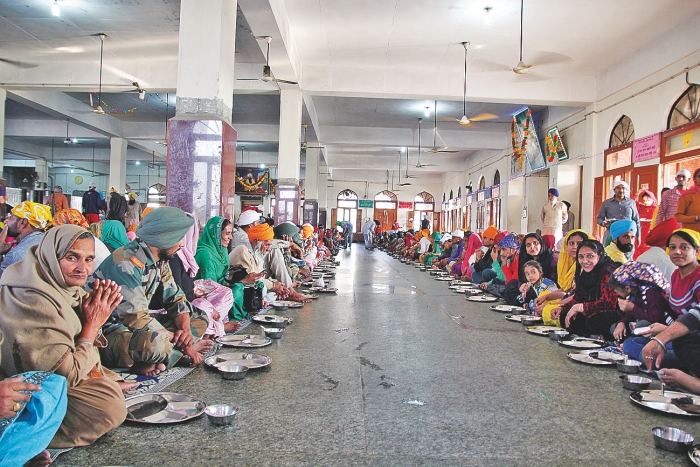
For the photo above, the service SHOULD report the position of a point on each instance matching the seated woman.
(436, 250)
(532, 248)
(594, 307)
(52, 324)
(114, 235)
(683, 248)
(642, 300)
(73, 216)
(474, 244)
(566, 270)
(537, 284)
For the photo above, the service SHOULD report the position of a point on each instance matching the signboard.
(646, 148)
(405, 205)
(366, 203)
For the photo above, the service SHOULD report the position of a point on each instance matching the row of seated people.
(84, 299)
(587, 288)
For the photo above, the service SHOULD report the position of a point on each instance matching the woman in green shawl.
(436, 249)
(114, 235)
(212, 259)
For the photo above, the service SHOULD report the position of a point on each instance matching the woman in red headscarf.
(646, 205)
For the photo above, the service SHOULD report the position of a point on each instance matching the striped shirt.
(668, 204)
(685, 291)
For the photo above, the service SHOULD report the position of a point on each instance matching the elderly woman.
(593, 309)
(73, 216)
(52, 324)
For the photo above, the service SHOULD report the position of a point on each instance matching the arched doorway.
(346, 209)
(385, 209)
(156, 196)
(495, 217)
(424, 208)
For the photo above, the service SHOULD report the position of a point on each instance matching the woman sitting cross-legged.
(51, 324)
(594, 306)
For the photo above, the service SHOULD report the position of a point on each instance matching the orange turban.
(307, 230)
(261, 232)
(490, 232)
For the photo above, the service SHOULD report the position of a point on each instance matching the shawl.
(566, 265)
(96, 229)
(211, 256)
(588, 284)
(114, 234)
(40, 312)
(189, 247)
(473, 245)
(544, 258)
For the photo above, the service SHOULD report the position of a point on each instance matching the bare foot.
(40, 460)
(232, 326)
(297, 297)
(147, 369)
(126, 387)
(202, 346)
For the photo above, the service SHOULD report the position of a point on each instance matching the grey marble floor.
(494, 395)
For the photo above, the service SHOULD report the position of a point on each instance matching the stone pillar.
(311, 203)
(288, 191)
(117, 164)
(201, 172)
(3, 96)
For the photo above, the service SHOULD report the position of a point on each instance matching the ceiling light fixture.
(72, 171)
(98, 110)
(488, 10)
(261, 166)
(55, 9)
(464, 120)
(427, 111)
(138, 162)
(67, 140)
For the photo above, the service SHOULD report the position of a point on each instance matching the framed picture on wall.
(252, 181)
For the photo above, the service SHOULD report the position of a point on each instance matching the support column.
(3, 96)
(311, 185)
(201, 172)
(117, 164)
(288, 192)
(322, 193)
(588, 217)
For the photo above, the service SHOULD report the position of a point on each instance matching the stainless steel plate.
(694, 454)
(244, 340)
(654, 400)
(443, 278)
(482, 298)
(163, 408)
(506, 308)
(270, 319)
(584, 357)
(287, 303)
(326, 290)
(516, 318)
(250, 360)
(541, 330)
(582, 343)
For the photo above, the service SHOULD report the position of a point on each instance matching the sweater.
(687, 210)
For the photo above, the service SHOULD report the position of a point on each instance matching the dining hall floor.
(334, 394)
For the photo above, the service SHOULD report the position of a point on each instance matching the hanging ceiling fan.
(406, 175)
(435, 149)
(69, 141)
(304, 144)
(406, 183)
(465, 121)
(418, 164)
(98, 110)
(267, 74)
(18, 63)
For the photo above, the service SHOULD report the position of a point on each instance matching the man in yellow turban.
(27, 223)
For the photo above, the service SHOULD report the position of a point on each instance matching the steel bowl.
(558, 334)
(221, 415)
(531, 321)
(232, 372)
(628, 366)
(274, 333)
(672, 439)
(635, 383)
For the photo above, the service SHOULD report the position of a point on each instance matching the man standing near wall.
(367, 230)
(669, 200)
(92, 204)
(619, 206)
(554, 215)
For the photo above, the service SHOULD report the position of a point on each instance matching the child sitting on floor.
(536, 285)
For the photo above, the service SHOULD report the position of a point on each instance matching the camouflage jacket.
(139, 275)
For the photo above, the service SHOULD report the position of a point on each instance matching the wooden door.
(409, 222)
(598, 197)
(334, 217)
(645, 178)
(435, 224)
(386, 217)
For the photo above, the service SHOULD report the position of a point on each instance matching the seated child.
(536, 285)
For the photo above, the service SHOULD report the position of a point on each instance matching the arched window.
(497, 178)
(385, 195)
(623, 132)
(469, 187)
(686, 109)
(452, 196)
(424, 205)
(459, 192)
(482, 183)
(347, 195)
(347, 207)
(156, 195)
(425, 197)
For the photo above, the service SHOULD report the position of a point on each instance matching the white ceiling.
(367, 69)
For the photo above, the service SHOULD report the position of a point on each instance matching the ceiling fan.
(69, 141)
(267, 74)
(406, 183)
(98, 110)
(406, 176)
(521, 68)
(465, 121)
(435, 149)
(305, 145)
(18, 63)
(418, 164)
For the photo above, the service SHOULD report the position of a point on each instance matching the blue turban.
(623, 226)
(508, 241)
(553, 191)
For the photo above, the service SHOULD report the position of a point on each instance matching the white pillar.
(323, 188)
(205, 59)
(117, 164)
(311, 180)
(290, 137)
(3, 96)
(588, 217)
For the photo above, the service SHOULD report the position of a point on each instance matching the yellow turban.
(307, 230)
(261, 232)
(695, 235)
(38, 215)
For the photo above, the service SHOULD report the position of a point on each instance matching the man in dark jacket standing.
(117, 206)
(92, 204)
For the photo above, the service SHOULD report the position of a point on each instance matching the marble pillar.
(201, 167)
(117, 164)
(311, 203)
(3, 97)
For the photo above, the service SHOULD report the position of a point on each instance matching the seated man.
(136, 340)
(26, 225)
(622, 234)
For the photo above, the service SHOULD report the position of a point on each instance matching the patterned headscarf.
(70, 216)
(38, 215)
(566, 265)
(509, 241)
(641, 275)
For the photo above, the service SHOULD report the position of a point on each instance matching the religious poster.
(252, 181)
(525, 142)
(554, 147)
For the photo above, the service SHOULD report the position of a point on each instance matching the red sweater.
(511, 270)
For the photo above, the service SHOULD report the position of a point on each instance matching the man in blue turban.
(623, 234)
(554, 215)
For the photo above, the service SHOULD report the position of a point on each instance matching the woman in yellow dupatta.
(566, 270)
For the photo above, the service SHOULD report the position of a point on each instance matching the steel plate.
(271, 319)
(541, 330)
(516, 318)
(163, 408)
(482, 298)
(287, 303)
(694, 454)
(244, 340)
(250, 360)
(653, 399)
(584, 357)
(582, 343)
